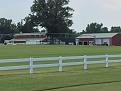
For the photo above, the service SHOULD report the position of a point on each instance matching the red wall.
(116, 40)
(23, 36)
(86, 39)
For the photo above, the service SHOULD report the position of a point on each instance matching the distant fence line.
(60, 63)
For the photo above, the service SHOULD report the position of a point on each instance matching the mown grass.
(73, 78)
(22, 51)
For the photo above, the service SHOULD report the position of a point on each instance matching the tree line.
(98, 28)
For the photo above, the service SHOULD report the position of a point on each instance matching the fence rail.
(60, 63)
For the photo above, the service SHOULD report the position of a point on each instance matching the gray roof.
(28, 39)
(97, 35)
(19, 34)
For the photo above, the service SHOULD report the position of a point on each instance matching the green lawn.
(21, 51)
(74, 78)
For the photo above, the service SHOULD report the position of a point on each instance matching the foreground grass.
(96, 87)
(22, 51)
(74, 78)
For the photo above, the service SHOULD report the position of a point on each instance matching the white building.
(99, 39)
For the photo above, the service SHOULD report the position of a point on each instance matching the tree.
(104, 30)
(7, 29)
(6, 26)
(27, 26)
(96, 28)
(53, 15)
(116, 29)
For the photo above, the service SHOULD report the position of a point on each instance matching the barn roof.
(19, 34)
(97, 35)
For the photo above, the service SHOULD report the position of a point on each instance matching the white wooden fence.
(60, 63)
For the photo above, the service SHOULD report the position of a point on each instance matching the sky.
(107, 12)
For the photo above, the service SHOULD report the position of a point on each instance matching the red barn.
(99, 39)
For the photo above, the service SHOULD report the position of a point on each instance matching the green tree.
(27, 26)
(96, 28)
(116, 29)
(7, 29)
(6, 26)
(104, 30)
(53, 15)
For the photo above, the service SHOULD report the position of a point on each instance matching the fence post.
(106, 61)
(60, 64)
(30, 66)
(85, 63)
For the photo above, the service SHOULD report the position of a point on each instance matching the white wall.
(107, 41)
(98, 41)
(32, 42)
(102, 41)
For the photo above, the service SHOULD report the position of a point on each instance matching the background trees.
(7, 29)
(53, 15)
(116, 29)
(96, 28)
(26, 26)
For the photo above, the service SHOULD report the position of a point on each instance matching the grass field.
(74, 78)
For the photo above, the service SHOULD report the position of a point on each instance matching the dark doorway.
(85, 43)
(80, 43)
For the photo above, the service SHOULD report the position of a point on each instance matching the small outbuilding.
(99, 39)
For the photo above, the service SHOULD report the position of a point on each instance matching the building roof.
(97, 35)
(19, 34)
(29, 39)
